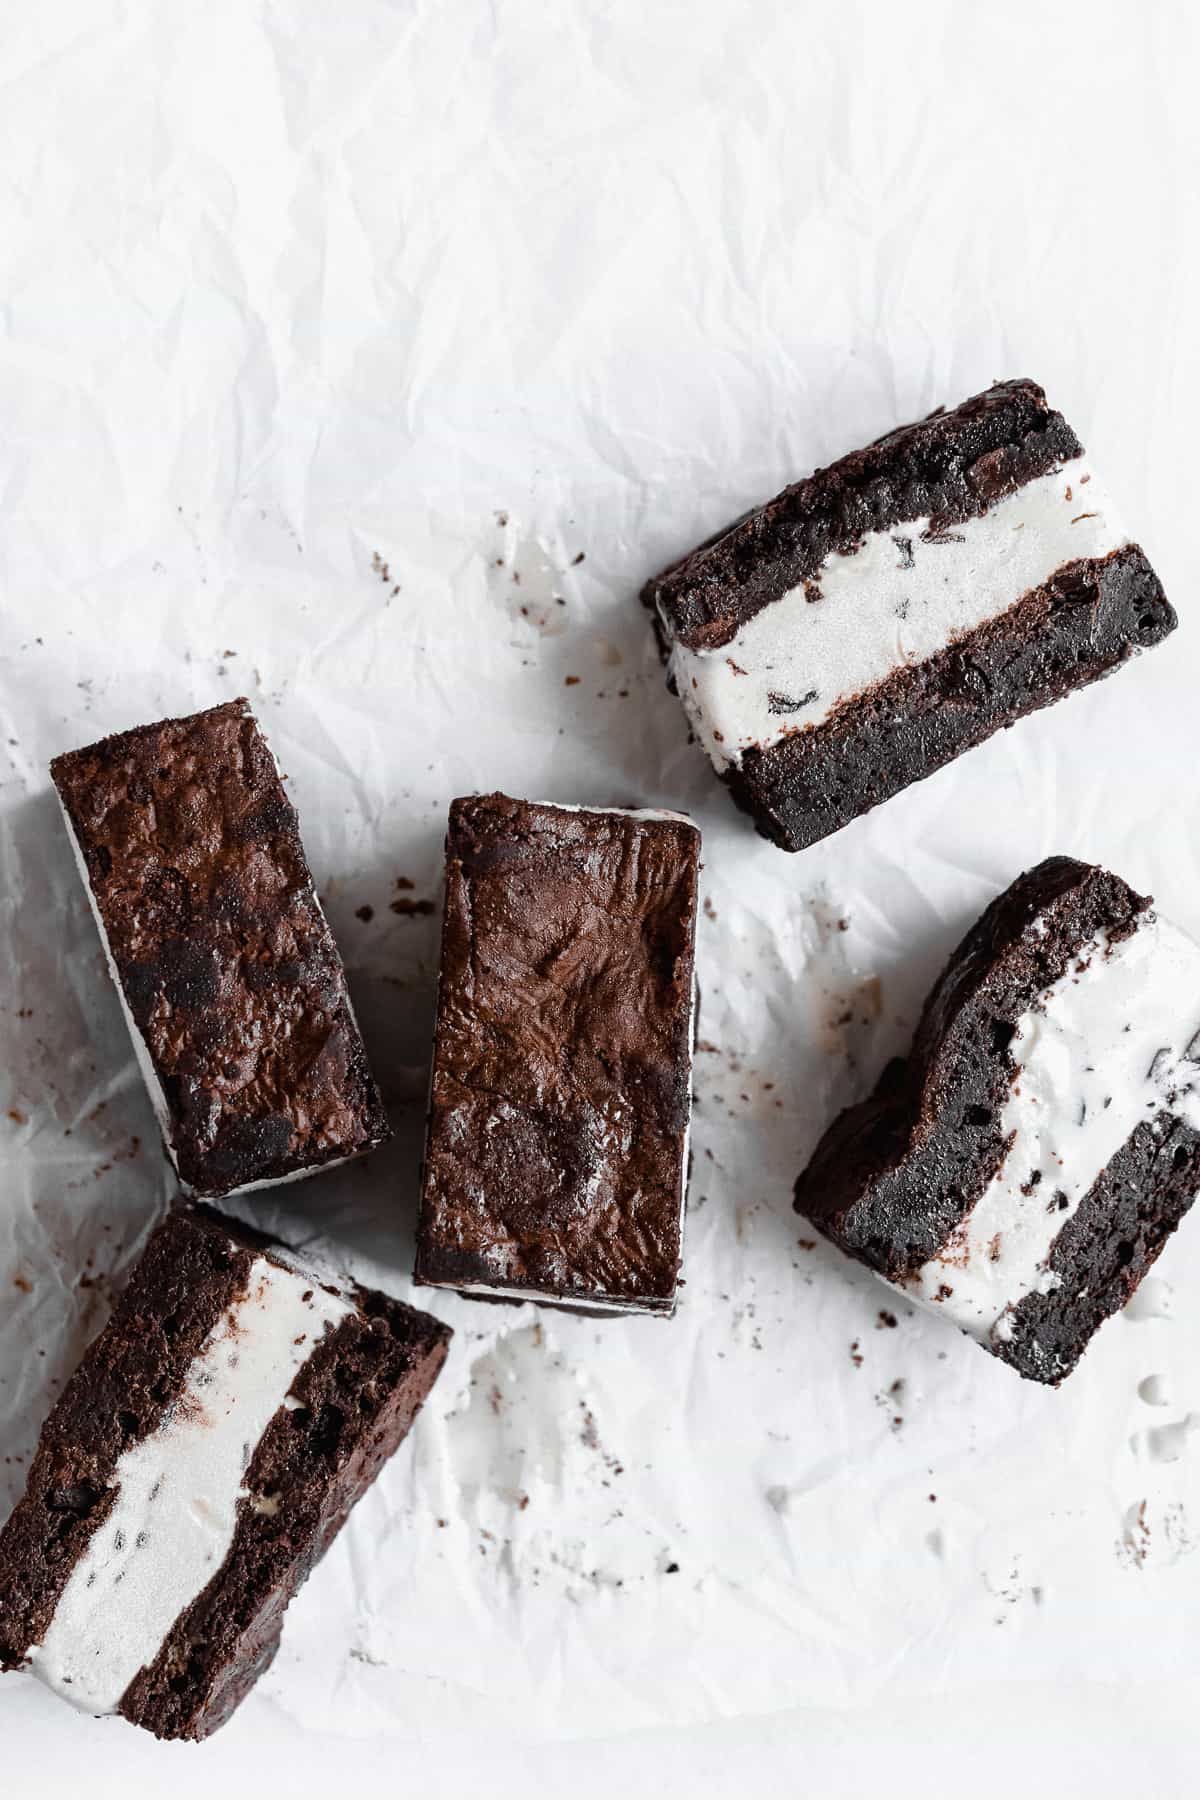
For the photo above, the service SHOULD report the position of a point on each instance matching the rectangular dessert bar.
(887, 613)
(200, 1461)
(227, 970)
(1022, 1169)
(557, 1151)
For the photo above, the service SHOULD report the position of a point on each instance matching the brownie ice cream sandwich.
(197, 1465)
(893, 610)
(1019, 1172)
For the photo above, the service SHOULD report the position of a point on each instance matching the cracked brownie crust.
(555, 1159)
(225, 962)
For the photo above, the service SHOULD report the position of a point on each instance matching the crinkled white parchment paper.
(364, 359)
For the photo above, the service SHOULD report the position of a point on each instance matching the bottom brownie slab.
(1082, 626)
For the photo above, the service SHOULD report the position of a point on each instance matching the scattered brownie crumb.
(404, 884)
(23, 1282)
(412, 909)
(365, 913)
(887, 1321)
(843, 924)
(856, 1356)
(710, 911)
(576, 560)
(807, 1243)
(571, 681)
(672, 1568)
(502, 519)
(17, 1116)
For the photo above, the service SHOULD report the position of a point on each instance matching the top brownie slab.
(887, 613)
(557, 1148)
(232, 983)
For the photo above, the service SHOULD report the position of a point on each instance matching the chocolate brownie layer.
(892, 611)
(202, 1353)
(1023, 1166)
(556, 1154)
(1078, 628)
(234, 989)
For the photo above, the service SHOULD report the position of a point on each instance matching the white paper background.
(323, 324)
